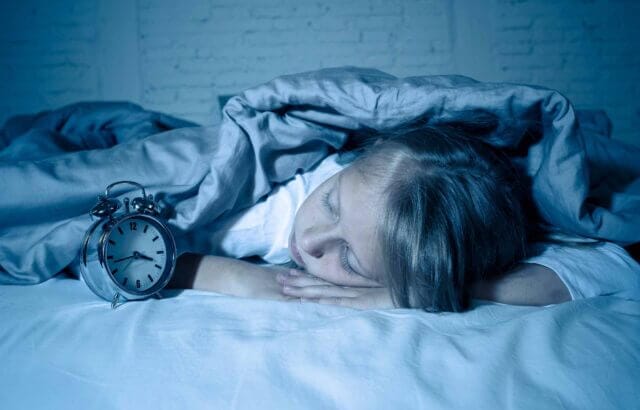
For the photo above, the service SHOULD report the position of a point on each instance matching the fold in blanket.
(54, 164)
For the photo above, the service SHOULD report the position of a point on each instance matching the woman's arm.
(228, 276)
(527, 284)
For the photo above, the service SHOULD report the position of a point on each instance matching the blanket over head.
(54, 164)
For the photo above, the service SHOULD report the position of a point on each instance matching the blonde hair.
(454, 214)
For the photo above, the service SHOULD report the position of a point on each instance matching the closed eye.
(345, 248)
(327, 203)
(344, 259)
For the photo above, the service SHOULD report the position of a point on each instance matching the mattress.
(61, 347)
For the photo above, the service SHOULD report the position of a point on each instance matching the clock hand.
(127, 265)
(122, 259)
(140, 255)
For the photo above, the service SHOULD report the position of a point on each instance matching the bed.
(62, 347)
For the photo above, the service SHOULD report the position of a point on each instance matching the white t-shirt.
(602, 268)
(263, 230)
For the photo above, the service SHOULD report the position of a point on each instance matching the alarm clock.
(127, 255)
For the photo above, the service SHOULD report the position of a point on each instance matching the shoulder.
(590, 269)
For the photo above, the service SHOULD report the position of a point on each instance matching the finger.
(320, 291)
(299, 281)
(351, 302)
(371, 300)
(295, 273)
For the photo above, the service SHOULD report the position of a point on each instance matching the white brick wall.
(46, 55)
(588, 50)
(177, 57)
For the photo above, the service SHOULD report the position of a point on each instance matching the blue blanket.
(53, 164)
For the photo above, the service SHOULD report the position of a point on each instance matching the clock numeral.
(154, 239)
(145, 228)
(158, 266)
(121, 231)
(150, 278)
(110, 257)
(138, 283)
(160, 252)
(124, 281)
(112, 242)
(113, 272)
(133, 226)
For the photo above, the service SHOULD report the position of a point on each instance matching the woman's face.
(334, 233)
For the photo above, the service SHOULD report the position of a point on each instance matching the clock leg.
(114, 302)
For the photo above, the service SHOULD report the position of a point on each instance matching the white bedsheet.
(61, 347)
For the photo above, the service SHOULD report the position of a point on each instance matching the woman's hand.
(301, 285)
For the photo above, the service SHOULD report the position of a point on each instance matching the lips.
(295, 254)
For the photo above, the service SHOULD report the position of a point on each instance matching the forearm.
(227, 275)
(527, 284)
(219, 274)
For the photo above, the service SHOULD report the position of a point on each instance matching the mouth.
(295, 253)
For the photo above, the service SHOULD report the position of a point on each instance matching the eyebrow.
(363, 272)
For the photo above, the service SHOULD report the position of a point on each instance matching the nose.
(317, 239)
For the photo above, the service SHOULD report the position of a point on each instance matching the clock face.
(136, 253)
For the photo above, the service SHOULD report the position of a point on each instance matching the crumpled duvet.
(55, 163)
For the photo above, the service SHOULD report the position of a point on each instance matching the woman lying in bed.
(424, 218)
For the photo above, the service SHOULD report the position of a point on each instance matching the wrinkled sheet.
(53, 165)
(60, 347)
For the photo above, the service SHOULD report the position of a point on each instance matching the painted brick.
(182, 55)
